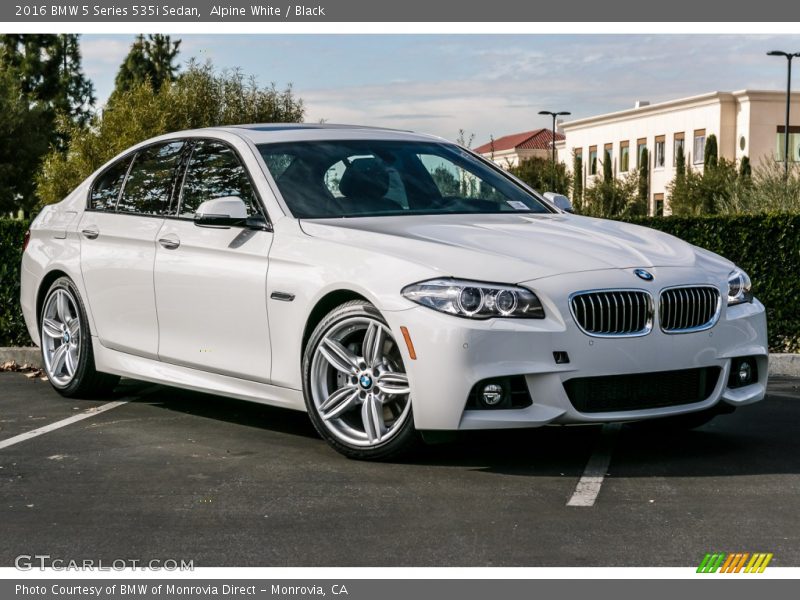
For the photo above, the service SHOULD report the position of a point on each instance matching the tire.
(358, 397)
(69, 364)
(680, 423)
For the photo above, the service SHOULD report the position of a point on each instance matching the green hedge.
(766, 246)
(12, 327)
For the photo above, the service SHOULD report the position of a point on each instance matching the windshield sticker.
(517, 205)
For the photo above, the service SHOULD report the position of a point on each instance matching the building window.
(699, 146)
(624, 156)
(658, 205)
(641, 146)
(794, 143)
(660, 159)
(592, 160)
(678, 145)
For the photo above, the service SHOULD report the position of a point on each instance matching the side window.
(149, 184)
(107, 186)
(214, 171)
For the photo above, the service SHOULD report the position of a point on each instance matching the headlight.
(739, 290)
(475, 300)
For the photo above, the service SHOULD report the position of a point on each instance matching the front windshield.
(359, 178)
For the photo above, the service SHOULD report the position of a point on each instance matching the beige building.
(509, 150)
(746, 123)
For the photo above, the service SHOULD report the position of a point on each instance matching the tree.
(703, 193)
(539, 174)
(612, 198)
(150, 58)
(48, 68)
(446, 181)
(678, 196)
(577, 181)
(608, 174)
(711, 156)
(464, 140)
(765, 190)
(643, 180)
(200, 97)
(42, 84)
(680, 163)
(745, 170)
(23, 141)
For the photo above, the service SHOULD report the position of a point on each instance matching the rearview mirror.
(221, 212)
(560, 201)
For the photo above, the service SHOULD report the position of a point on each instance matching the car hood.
(513, 247)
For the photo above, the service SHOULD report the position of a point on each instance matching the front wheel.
(67, 344)
(356, 387)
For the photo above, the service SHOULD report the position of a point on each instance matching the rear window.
(106, 188)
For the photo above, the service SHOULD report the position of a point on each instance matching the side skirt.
(147, 369)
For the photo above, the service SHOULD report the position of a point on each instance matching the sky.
(487, 85)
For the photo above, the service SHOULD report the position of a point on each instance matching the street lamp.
(555, 115)
(789, 56)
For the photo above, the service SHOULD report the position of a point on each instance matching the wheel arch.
(323, 306)
(44, 287)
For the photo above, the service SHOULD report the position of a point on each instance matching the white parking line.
(59, 424)
(592, 479)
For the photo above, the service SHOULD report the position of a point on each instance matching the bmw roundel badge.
(642, 274)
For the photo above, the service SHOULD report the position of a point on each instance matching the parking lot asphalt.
(179, 475)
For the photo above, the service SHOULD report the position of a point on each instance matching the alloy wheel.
(359, 385)
(61, 336)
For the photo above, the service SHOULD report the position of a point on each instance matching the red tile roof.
(538, 139)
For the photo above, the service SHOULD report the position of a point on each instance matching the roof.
(674, 105)
(291, 126)
(260, 133)
(538, 139)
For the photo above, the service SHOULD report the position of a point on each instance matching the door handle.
(91, 232)
(170, 243)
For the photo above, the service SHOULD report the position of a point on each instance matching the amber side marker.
(407, 337)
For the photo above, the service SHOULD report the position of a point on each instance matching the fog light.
(492, 394)
(744, 371)
(499, 393)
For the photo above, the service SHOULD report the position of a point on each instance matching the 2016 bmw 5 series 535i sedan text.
(388, 283)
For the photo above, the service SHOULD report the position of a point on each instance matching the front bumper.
(453, 354)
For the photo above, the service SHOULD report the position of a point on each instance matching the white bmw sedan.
(390, 284)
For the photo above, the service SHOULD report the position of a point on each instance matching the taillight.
(26, 239)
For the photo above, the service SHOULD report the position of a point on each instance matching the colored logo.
(642, 274)
(365, 381)
(735, 562)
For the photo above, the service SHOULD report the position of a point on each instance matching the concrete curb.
(784, 365)
(22, 356)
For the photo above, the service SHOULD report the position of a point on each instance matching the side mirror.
(221, 212)
(560, 201)
(258, 222)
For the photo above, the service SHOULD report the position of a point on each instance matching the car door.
(126, 209)
(211, 282)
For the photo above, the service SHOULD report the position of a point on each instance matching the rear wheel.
(356, 387)
(66, 344)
